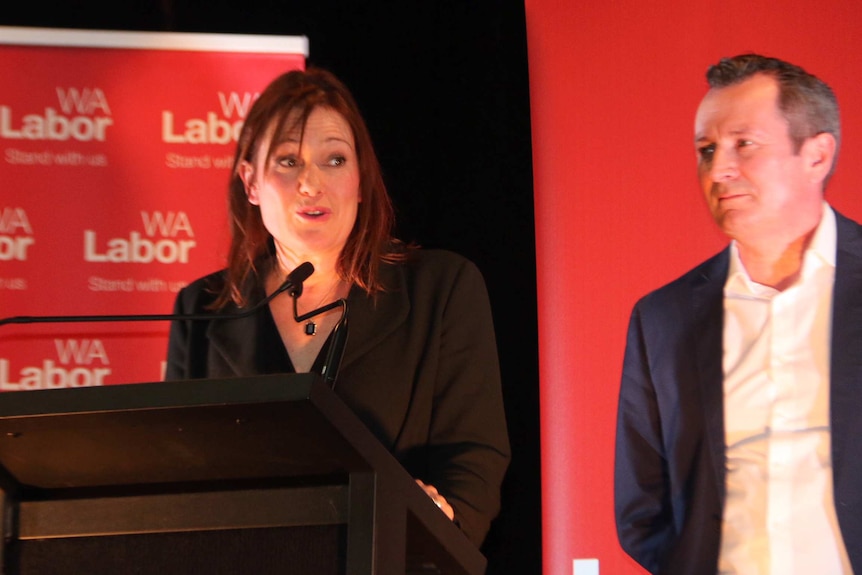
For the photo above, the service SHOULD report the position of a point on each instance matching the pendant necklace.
(311, 325)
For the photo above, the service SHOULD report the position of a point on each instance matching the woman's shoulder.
(214, 280)
(203, 291)
(437, 260)
(425, 261)
(426, 267)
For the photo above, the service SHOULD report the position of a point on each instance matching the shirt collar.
(821, 251)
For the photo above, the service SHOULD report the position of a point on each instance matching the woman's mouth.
(314, 212)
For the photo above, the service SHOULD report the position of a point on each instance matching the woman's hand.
(438, 499)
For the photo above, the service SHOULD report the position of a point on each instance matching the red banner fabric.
(116, 153)
(614, 87)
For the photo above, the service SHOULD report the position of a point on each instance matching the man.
(739, 433)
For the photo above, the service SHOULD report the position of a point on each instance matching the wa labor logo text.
(16, 235)
(210, 127)
(79, 363)
(167, 238)
(82, 115)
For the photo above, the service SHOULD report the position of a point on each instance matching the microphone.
(293, 284)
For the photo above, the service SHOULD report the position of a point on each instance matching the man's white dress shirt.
(779, 516)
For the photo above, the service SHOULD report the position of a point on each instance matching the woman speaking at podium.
(420, 367)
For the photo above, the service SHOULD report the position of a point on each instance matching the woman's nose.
(309, 180)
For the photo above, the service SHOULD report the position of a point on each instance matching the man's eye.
(744, 143)
(706, 152)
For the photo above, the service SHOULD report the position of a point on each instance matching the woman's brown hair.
(251, 256)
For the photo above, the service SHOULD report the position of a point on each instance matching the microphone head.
(294, 279)
(301, 273)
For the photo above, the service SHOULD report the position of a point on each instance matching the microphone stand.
(338, 342)
(293, 282)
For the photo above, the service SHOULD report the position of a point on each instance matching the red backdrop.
(114, 171)
(614, 88)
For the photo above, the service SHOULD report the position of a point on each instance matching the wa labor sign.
(115, 154)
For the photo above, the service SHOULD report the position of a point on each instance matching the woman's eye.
(288, 162)
(337, 161)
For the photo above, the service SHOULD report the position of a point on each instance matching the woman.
(420, 367)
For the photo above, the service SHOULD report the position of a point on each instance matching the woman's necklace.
(311, 325)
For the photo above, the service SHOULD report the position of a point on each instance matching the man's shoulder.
(847, 228)
(712, 271)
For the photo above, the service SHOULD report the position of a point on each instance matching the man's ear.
(246, 174)
(819, 154)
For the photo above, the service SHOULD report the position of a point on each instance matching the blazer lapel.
(248, 345)
(846, 345)
(373, 318)
(708, 327)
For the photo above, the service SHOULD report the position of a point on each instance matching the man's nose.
(724, 165)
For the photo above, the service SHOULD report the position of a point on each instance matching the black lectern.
(270, 474)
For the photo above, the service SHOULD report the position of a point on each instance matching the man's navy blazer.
(669, 480)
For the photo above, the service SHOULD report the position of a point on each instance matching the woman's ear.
(246, 174)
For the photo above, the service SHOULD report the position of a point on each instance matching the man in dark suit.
(739, 432)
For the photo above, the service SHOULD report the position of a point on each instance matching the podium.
(258, 475)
